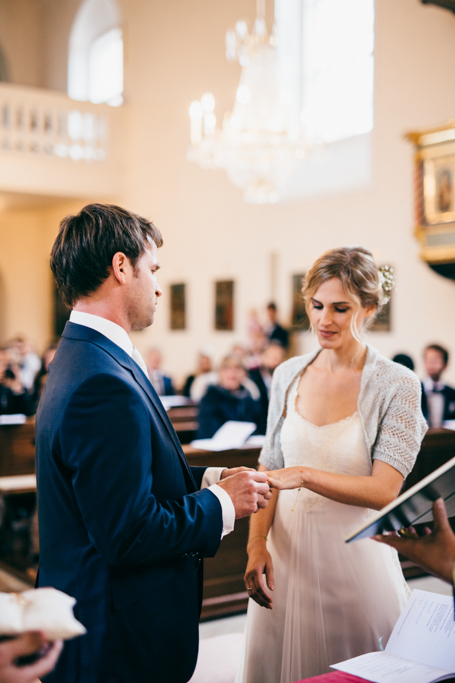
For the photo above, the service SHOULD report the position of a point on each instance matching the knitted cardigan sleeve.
(402, 426)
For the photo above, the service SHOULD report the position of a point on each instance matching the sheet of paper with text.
(421, 648)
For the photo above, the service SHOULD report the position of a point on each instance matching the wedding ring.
(249, 589)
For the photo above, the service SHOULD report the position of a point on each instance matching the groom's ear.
(121, 267)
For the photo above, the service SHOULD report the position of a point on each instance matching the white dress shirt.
(435, 401)
(120, 337)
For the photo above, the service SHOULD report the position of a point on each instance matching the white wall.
(21, 39)
(174, 52)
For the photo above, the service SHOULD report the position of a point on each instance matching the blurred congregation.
(245, 138)
(235, 388)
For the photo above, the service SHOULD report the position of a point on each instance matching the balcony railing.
(50, 144)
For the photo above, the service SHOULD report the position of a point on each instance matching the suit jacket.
(168, 386)
(279, 334)
(123, 524)
(448, 394)
(220, 405)
(256, 375)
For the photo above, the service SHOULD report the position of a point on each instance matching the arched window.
(325, 51)
(337, 86)
(95, 66)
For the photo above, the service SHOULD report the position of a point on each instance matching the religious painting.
(224, 305)
(383, 321)
(178, 307)
(299, 319)
(439, 189)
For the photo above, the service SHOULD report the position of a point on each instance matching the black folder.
(415, 506)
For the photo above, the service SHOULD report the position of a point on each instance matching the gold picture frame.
(434, 195)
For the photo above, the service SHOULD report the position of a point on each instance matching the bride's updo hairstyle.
(363, 283)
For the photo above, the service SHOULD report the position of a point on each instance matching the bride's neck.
(350, 356)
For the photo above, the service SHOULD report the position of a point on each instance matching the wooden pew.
(17, 448)
(185, 422)
(224, 589)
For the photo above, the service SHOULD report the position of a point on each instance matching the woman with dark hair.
(344, 429)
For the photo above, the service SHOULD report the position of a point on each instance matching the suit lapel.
(74, 331)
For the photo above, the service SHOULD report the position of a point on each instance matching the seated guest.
(14, 398)
(161, 382)
(272, 357)
(227, 400)
(404, 359)
(204, 366)
(255, 351)
(203, 382)
(274, 330)
(438, 399)
(41, 377)
(23, 353)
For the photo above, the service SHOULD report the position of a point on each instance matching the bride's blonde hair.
(359, 276)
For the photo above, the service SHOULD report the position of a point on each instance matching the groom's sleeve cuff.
(209, 480)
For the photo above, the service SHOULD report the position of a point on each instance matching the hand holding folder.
(435, 551)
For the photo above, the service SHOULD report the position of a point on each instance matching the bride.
(344, 429)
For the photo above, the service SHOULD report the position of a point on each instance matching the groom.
(124, 521)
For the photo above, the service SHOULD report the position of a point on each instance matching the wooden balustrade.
(51, 144)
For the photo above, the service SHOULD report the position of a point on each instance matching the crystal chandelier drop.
(261, 141)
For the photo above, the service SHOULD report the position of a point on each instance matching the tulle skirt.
(332, 601)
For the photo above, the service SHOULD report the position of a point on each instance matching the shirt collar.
(429, 385)
(109, 329)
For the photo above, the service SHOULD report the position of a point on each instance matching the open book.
(414, 506)
(230, 436)
(421, 648)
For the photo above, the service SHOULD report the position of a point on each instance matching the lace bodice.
(389, 410)
(338, 447)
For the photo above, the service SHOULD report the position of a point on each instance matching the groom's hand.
(248, 491)
(235, 470)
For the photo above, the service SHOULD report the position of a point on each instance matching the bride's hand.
(287, 478)
(259, 563)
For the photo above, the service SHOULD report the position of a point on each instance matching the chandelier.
(261, 141)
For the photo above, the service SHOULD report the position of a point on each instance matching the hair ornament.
(387, 281)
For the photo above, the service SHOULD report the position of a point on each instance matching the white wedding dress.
(332, 601)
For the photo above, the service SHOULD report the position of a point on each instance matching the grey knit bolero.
(389, 407)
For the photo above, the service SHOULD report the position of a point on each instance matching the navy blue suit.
(123, 524)
(448, 394)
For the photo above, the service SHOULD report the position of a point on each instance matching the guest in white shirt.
(161, 383)
(438, 399)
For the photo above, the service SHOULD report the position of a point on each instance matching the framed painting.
(299, 318)
(224, 305)
(178, 307)
(439, 189)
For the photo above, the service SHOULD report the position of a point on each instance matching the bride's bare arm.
(259, 559)
(373, 491)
